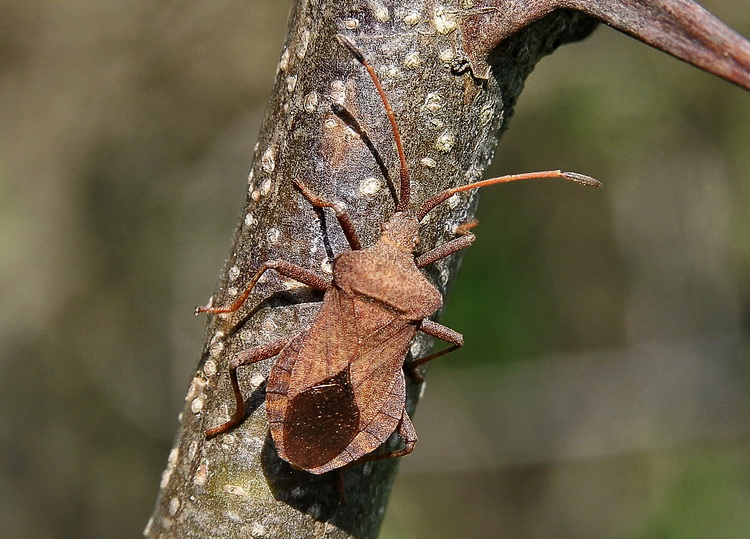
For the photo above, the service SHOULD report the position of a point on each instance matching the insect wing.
(385, 339)
(328, 346)
(310, 398)
(327, 413)
(321, 422)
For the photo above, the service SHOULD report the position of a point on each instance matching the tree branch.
(235, 485)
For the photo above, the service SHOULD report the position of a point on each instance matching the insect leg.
(441, 332)
(407, 433)
(246, 357)
(339, 210)
(283, 267)
(466, 238)
(341, 487)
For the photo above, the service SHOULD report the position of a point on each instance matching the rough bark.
(681, 28)
(235, 485)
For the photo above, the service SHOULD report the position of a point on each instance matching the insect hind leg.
(441, 332)
(408, 435)
(246, 357)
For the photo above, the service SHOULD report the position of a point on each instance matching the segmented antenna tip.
(351, 47)
(582, 179)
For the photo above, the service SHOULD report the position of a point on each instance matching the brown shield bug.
(337, 390)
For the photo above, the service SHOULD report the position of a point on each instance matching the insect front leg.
(466, 238)
(246, 357)
(441, 332)
(338, 209)
(285, 268)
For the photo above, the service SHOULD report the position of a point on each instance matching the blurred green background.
(603, 391)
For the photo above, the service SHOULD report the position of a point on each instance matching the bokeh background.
(604, 389)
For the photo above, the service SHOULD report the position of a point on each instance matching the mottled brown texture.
(321, 422)
(236, 486)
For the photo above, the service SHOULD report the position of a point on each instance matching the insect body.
(337, 390)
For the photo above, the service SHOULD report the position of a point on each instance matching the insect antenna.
(351, 121)
(442, 196)
(405, 187)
